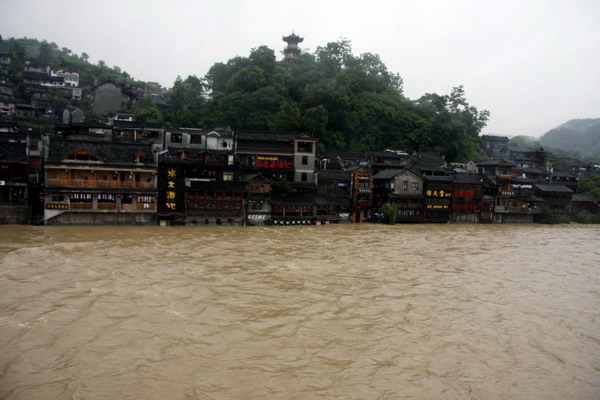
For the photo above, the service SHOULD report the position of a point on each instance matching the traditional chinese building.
(402, 188)
(94, 181)
(13, 182)
(292, 50)
(199, 180)
(214, 202)
(556, 197)
(361, 193)
(438, 198)
(278, 155)
(258, 205)
(467, 198)
(307, 209)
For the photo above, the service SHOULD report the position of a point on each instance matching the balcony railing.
(89, 183)
(87, 206)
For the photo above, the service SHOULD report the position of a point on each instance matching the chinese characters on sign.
(464, 193)
(170, 194)
(273, 163)
(438, 193)
(465, 207)
(437, 206)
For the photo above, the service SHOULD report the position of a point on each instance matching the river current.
(315, 312)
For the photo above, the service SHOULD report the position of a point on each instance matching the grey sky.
(532, 64)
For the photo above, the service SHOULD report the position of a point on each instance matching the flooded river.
(316, 312)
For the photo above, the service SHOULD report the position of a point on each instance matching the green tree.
(146, 111)
(287, 118)
(590, 186)
(45, 56)
(56, 99)
(186, 102)
(390, 213)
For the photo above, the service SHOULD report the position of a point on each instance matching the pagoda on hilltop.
(292, 51)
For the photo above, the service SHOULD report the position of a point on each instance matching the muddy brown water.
(316, 312)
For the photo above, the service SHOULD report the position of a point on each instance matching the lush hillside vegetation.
(349, 102)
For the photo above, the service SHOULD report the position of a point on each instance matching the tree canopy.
(349, 102)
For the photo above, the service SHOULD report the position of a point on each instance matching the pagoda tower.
(292, 51)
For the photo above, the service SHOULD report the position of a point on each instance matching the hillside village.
(62, 168)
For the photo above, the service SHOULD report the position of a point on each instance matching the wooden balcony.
(88, 206)
(82, 206)
(87, 183)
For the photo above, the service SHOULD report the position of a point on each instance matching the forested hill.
(349, 102)
(580, 135)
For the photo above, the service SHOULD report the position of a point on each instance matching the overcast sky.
(532, 64)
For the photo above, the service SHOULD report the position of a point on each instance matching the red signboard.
(273, 164)
(463, 193)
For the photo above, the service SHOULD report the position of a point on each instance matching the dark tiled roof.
(255, 178)
(260, 136)
(583, 197)
(549, 188)
(438, 178)
(344, 155)
(563, 174)
(388, 173)
(332, 175)
(13, 152)
(531, 199)
(195, 153)
(465, 177)
(108, 152)
(496, 162)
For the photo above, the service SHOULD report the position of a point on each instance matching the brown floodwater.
(316, 312)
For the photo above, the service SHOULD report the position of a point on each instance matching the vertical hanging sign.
(171, 189)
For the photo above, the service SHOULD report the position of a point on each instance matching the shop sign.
(438, 193)
(57, 206)
(272, 163)
(465, 207)
(171, 197)
(437, 206)
(464, 193)
(520, 186)
(257, 217)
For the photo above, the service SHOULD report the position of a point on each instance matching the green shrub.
(390, 213)
(549, 216)
(586, 217)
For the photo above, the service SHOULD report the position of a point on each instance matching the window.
(227, 176)
(304, 177)
(33, 145)
(176, 138)
(225, 145)
(57, 198)
(82, 155)
(196, 139)
(415, 186)
(405, 185)
(304, 160)
(305, 147)
(140, 157)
